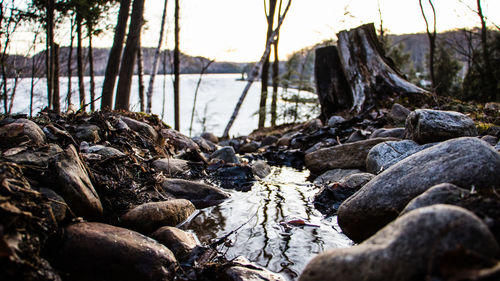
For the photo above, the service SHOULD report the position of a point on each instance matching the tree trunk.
(114, 56)
(276, 74)
(371, 77)
(91, 70)
(432, 40)
(56, 96)
(156, 60)
(333, 91)
(70, 68)
(255, 72)
(176, 69)
(50, 52)
(488, 73)
(264, 77)
(202, 71)
(140, 77)
(79, 59)
(129, 56)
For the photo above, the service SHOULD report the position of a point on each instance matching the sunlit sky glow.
(234, 30)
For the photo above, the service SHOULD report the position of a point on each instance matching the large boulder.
(414, 247)
(427, 125)
(74, 185)
(96, 251)
(346, 156)
(465, 162)
(148, 217)
(200, 194)
(386, 154)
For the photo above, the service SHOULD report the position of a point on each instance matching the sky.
(235, 30)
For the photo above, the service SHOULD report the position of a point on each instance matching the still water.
(262, 213)
(217, 97)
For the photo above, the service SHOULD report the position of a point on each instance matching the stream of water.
(265, 238)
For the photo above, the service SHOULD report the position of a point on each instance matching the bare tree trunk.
(50, 52)
(140, 76)
(490, 89)
(114, 56)
(264, 77)
(203, 69)
(91, 70)
(156, 59)
(255, 72)
(276, 77)
(70, 61)
(432, 40)
(176, 69)
(56, 96)
(79, 59)
(164, 60)
(129, 55)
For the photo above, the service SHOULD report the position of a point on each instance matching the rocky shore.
(99, 196)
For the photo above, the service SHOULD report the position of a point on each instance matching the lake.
(217, 97)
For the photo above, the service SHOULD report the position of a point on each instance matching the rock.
(398, 133)
(414, 247)
(240, 178)
(269, 140)
(386, 154)
(427, 125)
(39, 157)
(200, 194)
(54, 134)
(210, 137)
(356, 136)
(96, 251)
(399, 113)
(243, 270)
(335, 120)
(74, 185)
(329, 198)
(497, 147)
(312, 125)
(105, 151)
(148, 217)
(284, 141)
(465, 162)
(20, 132)
(226, 154)
(181, 243)
(205, 145)
(249, 147)
(345, 156)
(493, 106)
(87, 132)
(171, 166)
(140, 127)
(492, 140)
(261, 169)
(444, 193)
(335, 175)
(57, 204)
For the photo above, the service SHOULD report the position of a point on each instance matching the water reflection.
(264, 238)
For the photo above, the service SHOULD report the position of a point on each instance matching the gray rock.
(148, 217)
(74, 185)
(180, 141)
(39, 157)
(398, 133)
(411, 248)
(356, 181)
(334, 175)
(384, 155)
(171, 166)
(465, 162)
(493, 106)
(204, 144)
(312, 125)
(261, 169)
(356, 136)
(200, 194)
(345, 156)
(227, 154)
(105, 151)
(181, 243)
(492, 140)
(444, 193)
(96, 251)
(497, 147)
(210, 137)
(140, 127)
(88, 132)
(243, 270)
(21, 132)
(399, 113)
(426, 125)
(249, 147)
(269, 140)
(335, 120)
